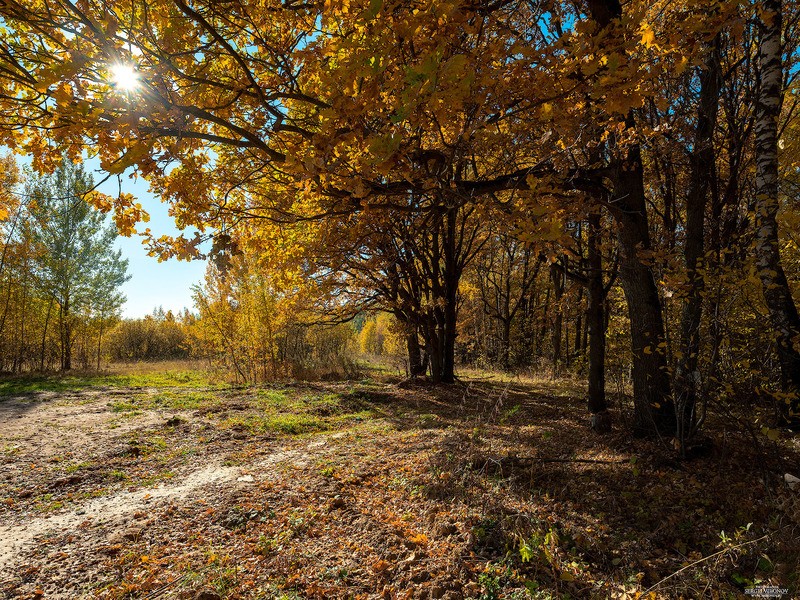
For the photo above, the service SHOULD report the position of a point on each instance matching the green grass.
(124, 406)
(270, 398)
(10, 450)
(283, 410)
(182, 400)
(297, 412)
(74, 468)
(152, 480)
(11, 386)
(45, 503)
(292, 424)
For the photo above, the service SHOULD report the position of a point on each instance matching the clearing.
(176, 486)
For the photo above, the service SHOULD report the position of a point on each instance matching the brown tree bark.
(701, 173)
(654, 412)
(596, 322)
(557, 275)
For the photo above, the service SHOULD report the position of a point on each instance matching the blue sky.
(167, 284)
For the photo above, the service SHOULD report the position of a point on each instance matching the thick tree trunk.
(595, 320)
(778, 297)
(701, 172)
(416, 364)
(654, 412)
(451, 278)
(449, 339)
(653, 408)
(434, 348)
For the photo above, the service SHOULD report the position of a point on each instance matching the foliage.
(62, 274)
(160, 336)
(256, 329)
(442, 163)
(380, 335)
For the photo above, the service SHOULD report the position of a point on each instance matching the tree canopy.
(368, 151)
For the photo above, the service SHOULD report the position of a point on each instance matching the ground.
(169, 484)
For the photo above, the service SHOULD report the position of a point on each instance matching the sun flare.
(124, 77)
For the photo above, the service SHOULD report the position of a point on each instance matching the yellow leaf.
(648, 35)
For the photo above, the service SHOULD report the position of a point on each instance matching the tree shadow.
(627, 508)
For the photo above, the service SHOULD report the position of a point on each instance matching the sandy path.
(113, 511)
(42, 434)
(49, 424)
(109, 510)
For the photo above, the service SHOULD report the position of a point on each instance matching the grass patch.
(292, 424)
(153, 480)
(77, 467)
(183, 400)
(177, 378)
(295, 424)
(123, 406)
(10, 450)
(271, 398)
(46, 504)
(283, 412)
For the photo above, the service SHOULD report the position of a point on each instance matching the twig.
(582, 460)
(158, 591)
(573, 460)
(697, 562)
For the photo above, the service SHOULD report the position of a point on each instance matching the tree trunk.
(778, 297)
(433, 346)
(557, 276)
(701, 172)
(416, 364)
(44, 335)
(100, 341)
(66, 342)
(543, 328)
(451, 277)
(576, 350)
(654, 413)
(505, 340)
(595, 320)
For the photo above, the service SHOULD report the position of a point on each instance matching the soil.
(478, 490)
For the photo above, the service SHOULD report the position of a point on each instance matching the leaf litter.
(382, 490)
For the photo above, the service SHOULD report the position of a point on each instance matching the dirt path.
(48, 424)
(53, 445)
(42, 433)
(109, 511)
(115, 511)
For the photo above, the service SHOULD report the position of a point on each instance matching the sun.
(124, 77)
